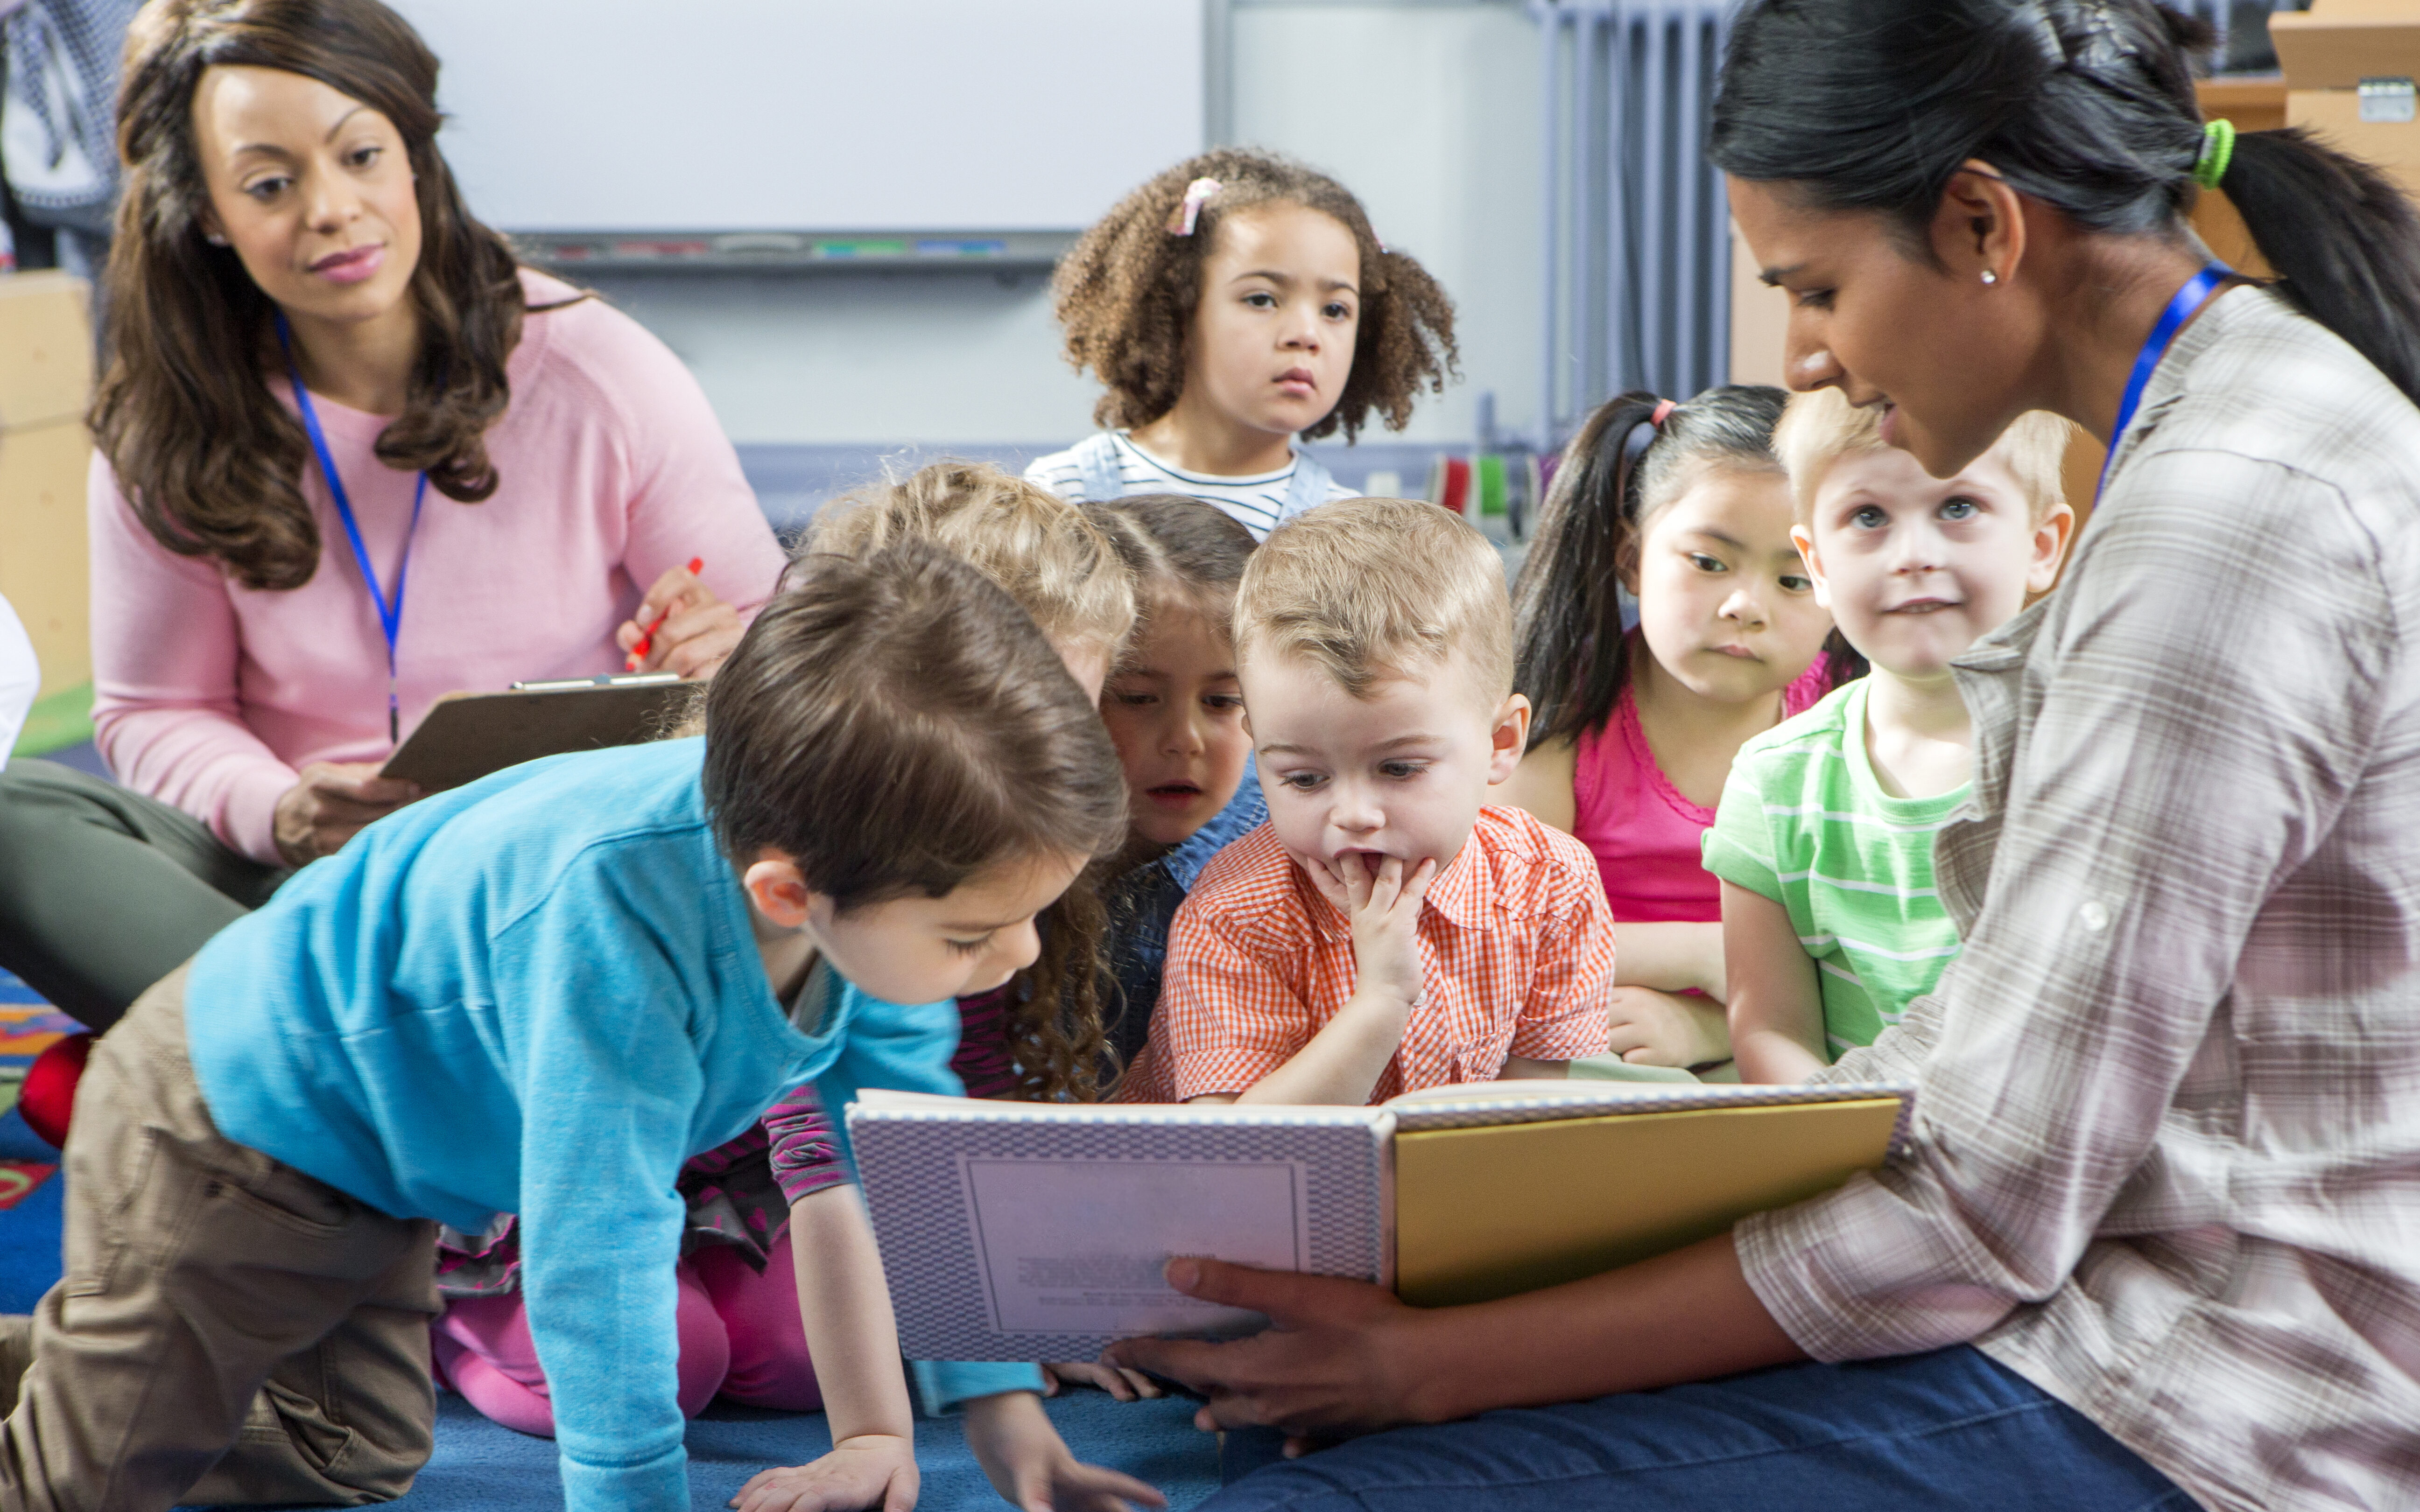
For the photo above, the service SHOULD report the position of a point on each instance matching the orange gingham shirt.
(1516, 958)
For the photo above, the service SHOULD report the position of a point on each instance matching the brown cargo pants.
(228, 1330)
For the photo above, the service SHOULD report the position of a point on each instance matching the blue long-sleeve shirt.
(539, 993)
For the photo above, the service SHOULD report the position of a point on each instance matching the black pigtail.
(1568, 648)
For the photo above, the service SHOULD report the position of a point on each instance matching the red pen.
(647, 636)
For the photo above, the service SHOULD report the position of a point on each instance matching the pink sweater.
(210, 696)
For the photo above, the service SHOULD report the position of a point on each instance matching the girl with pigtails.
(1684, 510)
(1231, 304)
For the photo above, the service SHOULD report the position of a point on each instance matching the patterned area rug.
(28, 1027)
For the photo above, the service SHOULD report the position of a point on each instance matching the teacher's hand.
(698, 632)
(1343, 1358)
(330, 805)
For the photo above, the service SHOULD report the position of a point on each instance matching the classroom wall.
(1427, 110)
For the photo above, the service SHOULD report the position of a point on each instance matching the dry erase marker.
(647, 636)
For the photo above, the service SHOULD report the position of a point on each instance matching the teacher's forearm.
(1686, 1316)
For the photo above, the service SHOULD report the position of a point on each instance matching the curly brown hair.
(212, 462)
(1126, 292)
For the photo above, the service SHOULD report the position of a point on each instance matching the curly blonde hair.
(1127, 290)
(1052, 558)
(1064, 570)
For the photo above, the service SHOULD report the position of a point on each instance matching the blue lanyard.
(390, 614)
(2195, 294)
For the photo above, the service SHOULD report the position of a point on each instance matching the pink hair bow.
(1196, 195)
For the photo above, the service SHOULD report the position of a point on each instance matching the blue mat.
(29, 1232)
(479, 1467)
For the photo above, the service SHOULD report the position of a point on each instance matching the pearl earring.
(1990, 277)
(215, 240)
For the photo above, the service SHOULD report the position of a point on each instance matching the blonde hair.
(1365, 587)
(1819, 428)
(1058, 564)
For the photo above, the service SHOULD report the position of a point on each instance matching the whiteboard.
(811, 115)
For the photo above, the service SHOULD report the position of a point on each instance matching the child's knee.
(704, 1343)
(759, 1313)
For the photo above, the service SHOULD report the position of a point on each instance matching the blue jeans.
(1945, 1430)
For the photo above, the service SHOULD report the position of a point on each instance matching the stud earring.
(215, 240)
(1990, 277)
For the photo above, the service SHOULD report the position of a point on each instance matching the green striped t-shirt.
(1805, 821)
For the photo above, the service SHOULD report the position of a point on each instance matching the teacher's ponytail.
(2087, 105)
(2342, 236)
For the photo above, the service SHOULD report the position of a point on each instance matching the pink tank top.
(1643, 831)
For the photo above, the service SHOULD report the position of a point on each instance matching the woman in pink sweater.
(487, 476)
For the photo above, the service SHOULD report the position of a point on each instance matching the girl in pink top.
(351, 458)
(1686, 507)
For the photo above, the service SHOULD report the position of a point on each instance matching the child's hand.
(1384, 903)
(1030, 1464)
(873, 1470)
(1648, 1027)
(1125, 1385)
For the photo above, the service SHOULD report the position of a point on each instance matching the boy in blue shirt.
(541, 993)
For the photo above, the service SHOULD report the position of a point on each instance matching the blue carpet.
(29, 1232)
(479, 1467)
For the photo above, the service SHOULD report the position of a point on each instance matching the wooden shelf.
(2254, 102)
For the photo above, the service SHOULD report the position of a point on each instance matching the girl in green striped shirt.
(1823, 840)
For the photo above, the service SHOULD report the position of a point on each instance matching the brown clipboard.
(467, 735)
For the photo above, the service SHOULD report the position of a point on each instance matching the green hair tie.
(2217, 152)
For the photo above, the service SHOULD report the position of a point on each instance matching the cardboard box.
(45, 381)
(2328, 51)
(43, 569)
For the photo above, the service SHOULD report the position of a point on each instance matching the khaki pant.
(228, 1330)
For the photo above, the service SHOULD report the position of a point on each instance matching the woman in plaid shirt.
(2155, 1241)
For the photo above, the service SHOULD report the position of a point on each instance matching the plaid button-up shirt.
(2166, 1149)
(1516, 958)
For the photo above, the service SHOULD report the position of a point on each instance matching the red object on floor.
(47, 1101)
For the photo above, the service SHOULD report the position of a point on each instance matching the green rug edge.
(62, 720)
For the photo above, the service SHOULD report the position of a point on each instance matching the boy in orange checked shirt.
(1387, 931)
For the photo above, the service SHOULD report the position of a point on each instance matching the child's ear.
(2051, 539)
(779, 890)
(1805, 541)
(1509, 739)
